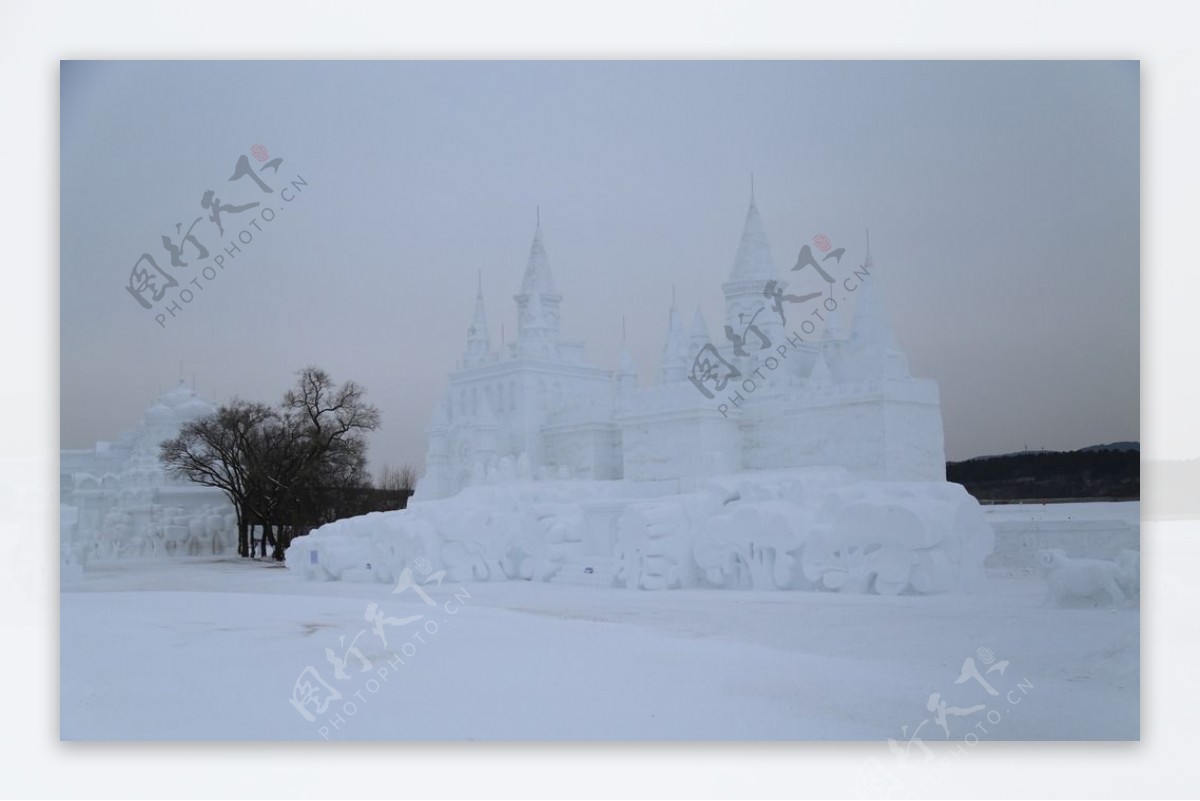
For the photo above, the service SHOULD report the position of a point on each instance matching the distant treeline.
(1051, 475)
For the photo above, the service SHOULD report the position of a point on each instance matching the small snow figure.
(739, 340)
(936, 705)
(374, 615)
(707, 367)
(1084, 579)
(339, 663)
(142, 281)
(213, 203)
(775, 292)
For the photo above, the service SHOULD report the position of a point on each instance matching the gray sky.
(1002, 199)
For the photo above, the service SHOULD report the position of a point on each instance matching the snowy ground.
(1126, 511)
(212, 649)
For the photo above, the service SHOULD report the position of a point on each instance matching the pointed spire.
(753, 259)
(537, 277)
(479, 326)
(872, 352)
(871, 323)
(479, 340)
(537, 304)
(674, 358)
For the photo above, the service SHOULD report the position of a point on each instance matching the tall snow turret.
(479, 342)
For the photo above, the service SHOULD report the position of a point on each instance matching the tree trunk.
(243, 537)
(282, 540)
(266, 536)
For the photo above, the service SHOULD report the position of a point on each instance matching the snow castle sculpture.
(117, 502)
(845, 400)
(789, 453)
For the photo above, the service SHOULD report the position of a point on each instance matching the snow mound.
(802, 529)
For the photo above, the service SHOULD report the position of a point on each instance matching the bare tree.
(219, 451)
(398, 478)
(285, 469)
(322, 445)
(408, 477)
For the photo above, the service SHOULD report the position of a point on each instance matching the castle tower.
(479, 343)
(538, 300)
(675, 361)
(625, 377)
(872, 351)
(749, 320)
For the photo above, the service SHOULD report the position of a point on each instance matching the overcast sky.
(1002, 200)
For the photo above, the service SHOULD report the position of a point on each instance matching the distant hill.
(1100, 472)
(1114, 446)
